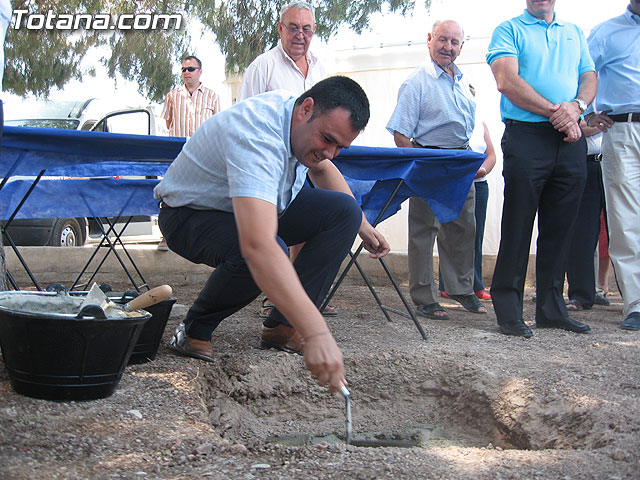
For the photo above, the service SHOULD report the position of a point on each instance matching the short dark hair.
(339, 91)
(191, 57)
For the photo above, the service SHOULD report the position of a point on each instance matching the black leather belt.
(508, 121)
(594, 158)
(626, 117)
(463, 147)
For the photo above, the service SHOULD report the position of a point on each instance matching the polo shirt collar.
(529, 19)
(632, 17)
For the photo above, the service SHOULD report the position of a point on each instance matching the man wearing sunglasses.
(189, 105)
(289, 65)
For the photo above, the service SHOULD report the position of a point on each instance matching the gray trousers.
(455, 249)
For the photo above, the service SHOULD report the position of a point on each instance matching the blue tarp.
(96, 197)
(75, 153)
(441, 177)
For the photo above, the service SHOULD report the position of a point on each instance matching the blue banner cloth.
(77, 153)
(74, 198)
(441, 177)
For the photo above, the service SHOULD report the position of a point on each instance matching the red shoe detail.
(483, 295)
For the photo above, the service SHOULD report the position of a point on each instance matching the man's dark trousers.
(543, 174)
(325, 221)
(580, 269)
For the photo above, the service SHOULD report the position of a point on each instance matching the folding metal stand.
(111, 248)
(3, 230)
(106, 242)
(354, 256)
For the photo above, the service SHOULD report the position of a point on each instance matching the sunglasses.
(189, 69)
(307, 32)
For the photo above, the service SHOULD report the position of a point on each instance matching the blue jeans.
(482, 197)
(325, 221)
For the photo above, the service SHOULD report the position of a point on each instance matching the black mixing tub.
(53, 351)
(147, 345)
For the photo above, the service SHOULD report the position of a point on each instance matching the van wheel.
(66, 233)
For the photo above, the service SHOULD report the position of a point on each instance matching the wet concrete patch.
(399, 438)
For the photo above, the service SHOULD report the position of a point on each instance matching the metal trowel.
(97, 297)
(347, 399)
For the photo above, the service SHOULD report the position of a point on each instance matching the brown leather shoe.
(282, 337)
(191, 347)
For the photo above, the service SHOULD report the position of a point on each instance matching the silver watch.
(582, 105)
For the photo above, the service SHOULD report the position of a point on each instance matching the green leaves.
(245, 29)
(38, 60)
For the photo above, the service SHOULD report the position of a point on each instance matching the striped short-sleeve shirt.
(186, 111)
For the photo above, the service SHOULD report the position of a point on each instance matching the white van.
(81, 115)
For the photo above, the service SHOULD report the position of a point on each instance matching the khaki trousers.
(621, 176)
(455, 249)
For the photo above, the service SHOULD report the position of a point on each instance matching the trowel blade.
(347, 399)
(95, 297)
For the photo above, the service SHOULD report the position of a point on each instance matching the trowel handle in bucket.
(149, 298)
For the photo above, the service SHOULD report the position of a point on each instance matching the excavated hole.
(403, 402)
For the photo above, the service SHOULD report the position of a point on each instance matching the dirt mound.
(466, 403)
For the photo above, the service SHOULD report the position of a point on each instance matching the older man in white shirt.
(289, 65)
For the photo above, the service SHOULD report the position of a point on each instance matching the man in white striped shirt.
(188, 106)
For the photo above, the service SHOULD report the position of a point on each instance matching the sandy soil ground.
(475, 404)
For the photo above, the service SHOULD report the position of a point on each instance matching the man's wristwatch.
(582, 105)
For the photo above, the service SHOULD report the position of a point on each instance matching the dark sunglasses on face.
(189, 69)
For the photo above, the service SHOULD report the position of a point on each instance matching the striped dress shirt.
(185, 112)
(434, 108)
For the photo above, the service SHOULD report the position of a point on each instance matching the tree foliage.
(36, 61)
(39, 60)
(245, 29)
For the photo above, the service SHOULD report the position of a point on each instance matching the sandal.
(575, 306)
(601, 299)
(330, 311)
(433, 311)
(266, 308)
(470, 302)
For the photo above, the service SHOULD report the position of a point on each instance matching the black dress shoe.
(566, 324)
(632, 322)
(515, 329)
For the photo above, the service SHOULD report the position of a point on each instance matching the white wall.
(381, 71)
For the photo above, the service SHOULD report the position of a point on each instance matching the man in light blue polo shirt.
(546, 76)
(615, 48)
(232, 199)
